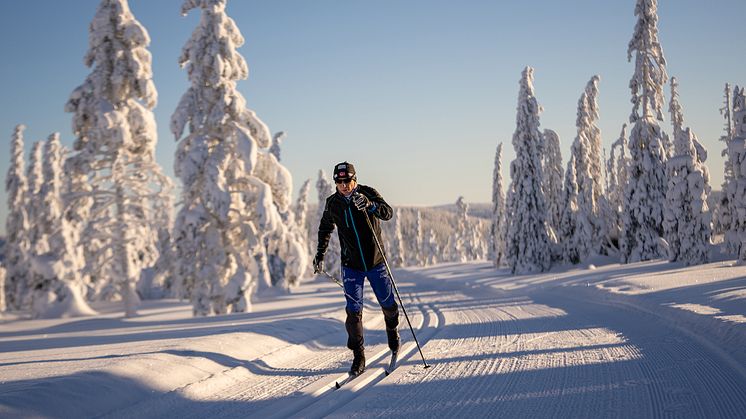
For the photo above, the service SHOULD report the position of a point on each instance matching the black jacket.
(359, 250)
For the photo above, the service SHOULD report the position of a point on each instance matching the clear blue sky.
(416, 93)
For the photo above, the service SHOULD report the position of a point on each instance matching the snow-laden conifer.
(735, 236)
(552, 168)
(35, 178)
(16, 226)
(228, 206)
(397, 241)
(332, 261)
(286, 245)
(642, 235)
(527, 243)
(616, 167)
(725, 207)
(418, 252)
(58, 290)
(301, 206)
(432, 248)
(590, 223)
(464, 245)
(687, 220)
(498, 210)
(568, 223)
(115, 150)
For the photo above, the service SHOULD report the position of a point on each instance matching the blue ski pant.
(379, 280)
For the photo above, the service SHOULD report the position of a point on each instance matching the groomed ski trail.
(547, 351)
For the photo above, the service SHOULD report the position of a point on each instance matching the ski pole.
(333, 278)
(396, 289)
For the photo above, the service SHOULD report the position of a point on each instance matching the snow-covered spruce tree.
(464, 245)
(642, 235)
(416, 241)
(35, 178)
(285, 246)
(497, 229)
(527, 242)
(115, 149)
(686, 218)
(16, 226)
(568, 223)
(616, 168)
(726, 206)
(432, 248)
(77, 203)
(736, 235)
(332, 261)
(552, 168)
(302, 219)
(397, 241)
(158, 281)
(301, 206)
(590, 223)
(227, 209)
(58, 290)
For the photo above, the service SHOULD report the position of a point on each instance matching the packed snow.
(647, 339)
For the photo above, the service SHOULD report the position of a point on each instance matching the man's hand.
(318, 264)
(361, 201)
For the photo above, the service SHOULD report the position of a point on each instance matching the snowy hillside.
(648, 339)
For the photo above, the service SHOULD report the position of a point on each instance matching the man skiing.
(354, 209)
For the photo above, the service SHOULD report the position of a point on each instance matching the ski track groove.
(249, 389)
(277, 391)
(326, 404)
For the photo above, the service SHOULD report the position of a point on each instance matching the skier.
(347, 209)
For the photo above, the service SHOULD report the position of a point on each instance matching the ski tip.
(337, 385)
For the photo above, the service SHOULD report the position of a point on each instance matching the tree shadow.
(292, 331)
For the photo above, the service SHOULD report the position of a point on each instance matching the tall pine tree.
(498, 210)
(642, 234)
(552, 167)
(227, 208)
(527, 242)
(17, 243)
(115, 149)
(687, 221)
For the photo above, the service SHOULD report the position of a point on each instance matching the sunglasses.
(345, 181)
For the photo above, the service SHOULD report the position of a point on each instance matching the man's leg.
(353, 285)
(383, 288)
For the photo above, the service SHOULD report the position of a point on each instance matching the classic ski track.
(329, 402)
(243, 387)
(689, 360)
(231, 400)
(580, 362)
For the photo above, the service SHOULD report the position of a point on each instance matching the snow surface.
(649, 339)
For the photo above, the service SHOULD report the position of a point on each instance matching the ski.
(350, 377)
(392, 363)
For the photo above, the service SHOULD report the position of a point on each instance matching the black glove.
(361, 201)
(318, 264)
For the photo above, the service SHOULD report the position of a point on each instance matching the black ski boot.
(358, 362)
(355, 341)
(391, 317)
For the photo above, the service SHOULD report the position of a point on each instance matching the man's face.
(346, 187)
